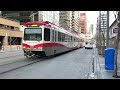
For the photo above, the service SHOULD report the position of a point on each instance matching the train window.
(74, 39)
(53, 38)
(71, 38)
(34, 34)
(47, 34)
(59, 36)
(63, 37)
(66, 38)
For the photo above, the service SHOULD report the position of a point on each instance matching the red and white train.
(42, 38)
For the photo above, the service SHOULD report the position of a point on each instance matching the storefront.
(10, 34)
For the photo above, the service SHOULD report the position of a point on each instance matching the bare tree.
(117, 47)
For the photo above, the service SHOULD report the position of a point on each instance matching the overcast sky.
(92, 18)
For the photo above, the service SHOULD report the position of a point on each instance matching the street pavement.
(72, 65)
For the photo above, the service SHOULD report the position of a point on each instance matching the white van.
(88, 45)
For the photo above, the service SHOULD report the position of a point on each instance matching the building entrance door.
(1, 41)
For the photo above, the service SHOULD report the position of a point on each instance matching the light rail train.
(43, 38)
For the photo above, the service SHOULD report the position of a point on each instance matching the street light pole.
(33, 18)
(99, 34)
(0, 13)
(107, 33)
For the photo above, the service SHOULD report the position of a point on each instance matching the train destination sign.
(34, 25)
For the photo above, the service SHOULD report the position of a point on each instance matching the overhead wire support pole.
(107, 32)
(33, 15)
(99, 33)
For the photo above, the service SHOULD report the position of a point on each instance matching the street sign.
(115, 30)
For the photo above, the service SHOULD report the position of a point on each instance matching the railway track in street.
(18, 64)
(23, 62)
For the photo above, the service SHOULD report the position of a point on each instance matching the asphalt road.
(72, 65)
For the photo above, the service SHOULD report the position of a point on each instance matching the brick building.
(83, 23)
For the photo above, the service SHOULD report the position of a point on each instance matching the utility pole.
(99, 32)
(117, 46)
(103, 34)
(33, 15)
(39, 15)
(107, 33)
(0, 13)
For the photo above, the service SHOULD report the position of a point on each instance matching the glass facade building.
(70, 21)
(22, 16)
(26, 16)
(51, 16)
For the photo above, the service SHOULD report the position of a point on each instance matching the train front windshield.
(33, 34)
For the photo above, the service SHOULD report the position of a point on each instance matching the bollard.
(18, 47)
(3, 48)
(93, 66)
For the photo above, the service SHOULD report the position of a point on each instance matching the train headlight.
(39, 47)
(24, 47)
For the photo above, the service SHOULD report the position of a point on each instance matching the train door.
(53, 41)
(47, 39)
(71, 42)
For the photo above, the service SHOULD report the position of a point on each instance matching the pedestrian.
(0, 45)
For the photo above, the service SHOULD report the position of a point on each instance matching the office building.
(10, 34)
(83, 23)
(64, 19)
(26, 16)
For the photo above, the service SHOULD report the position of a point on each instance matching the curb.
(8, 51)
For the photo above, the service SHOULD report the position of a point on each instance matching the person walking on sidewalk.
(0, 45)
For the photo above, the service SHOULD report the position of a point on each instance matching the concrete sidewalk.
(100, 70)
(11, 55)
(10, 49)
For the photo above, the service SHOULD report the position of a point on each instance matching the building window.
(14, 41)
